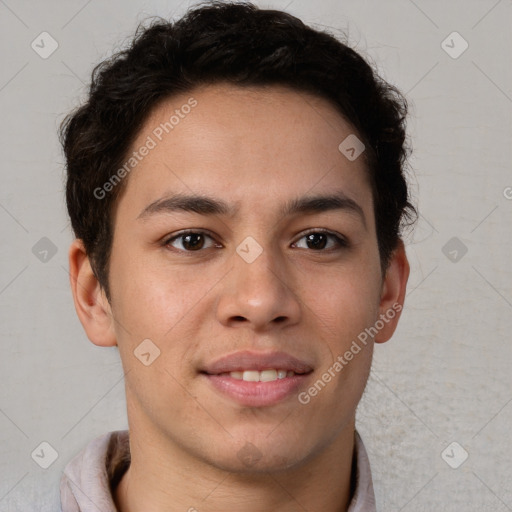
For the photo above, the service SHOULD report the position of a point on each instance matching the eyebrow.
(205, 205)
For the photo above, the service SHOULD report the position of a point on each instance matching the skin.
(255, 148)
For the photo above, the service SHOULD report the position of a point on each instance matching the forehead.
(245, 143)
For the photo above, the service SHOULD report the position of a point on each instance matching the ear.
(90, 300)
(393, 293)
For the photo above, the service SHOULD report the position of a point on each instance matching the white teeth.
(268, 375)
(251, 376)
(263, 376)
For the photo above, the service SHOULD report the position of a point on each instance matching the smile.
(263, 376)
(256, 379)
(252, 388)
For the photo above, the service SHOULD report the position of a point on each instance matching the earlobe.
(91, 304)
(393, 293)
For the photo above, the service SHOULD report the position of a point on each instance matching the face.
(263, 280)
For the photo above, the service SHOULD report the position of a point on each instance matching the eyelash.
(341, 241)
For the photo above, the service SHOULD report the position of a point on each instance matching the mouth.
(254, 379)
(268, 375)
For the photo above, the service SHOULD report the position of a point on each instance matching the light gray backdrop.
(444, 378)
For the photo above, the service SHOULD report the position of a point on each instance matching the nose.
(259, 294)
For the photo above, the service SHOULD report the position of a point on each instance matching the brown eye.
(318, 240)
(190, 241)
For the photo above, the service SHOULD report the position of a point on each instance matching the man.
(236, 187)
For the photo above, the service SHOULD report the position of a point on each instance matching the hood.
(85, 485)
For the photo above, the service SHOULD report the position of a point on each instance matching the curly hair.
(241, 44)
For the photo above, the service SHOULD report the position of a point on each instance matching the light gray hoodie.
(88, 479)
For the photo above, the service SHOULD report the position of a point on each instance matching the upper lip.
(250, 360)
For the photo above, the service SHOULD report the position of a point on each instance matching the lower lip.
(257, 394)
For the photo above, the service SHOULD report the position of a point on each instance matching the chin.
(263, 465)
(258, 456)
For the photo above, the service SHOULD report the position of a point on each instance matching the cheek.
(150, 304)
(147, 295)
(159, 303)
(346, 308)
(346, 300)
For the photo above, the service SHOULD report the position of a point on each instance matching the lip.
(256, 394)
(250, 360)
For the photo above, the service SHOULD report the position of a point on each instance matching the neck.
(159, 478)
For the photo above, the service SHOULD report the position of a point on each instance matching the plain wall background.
(444, 377)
